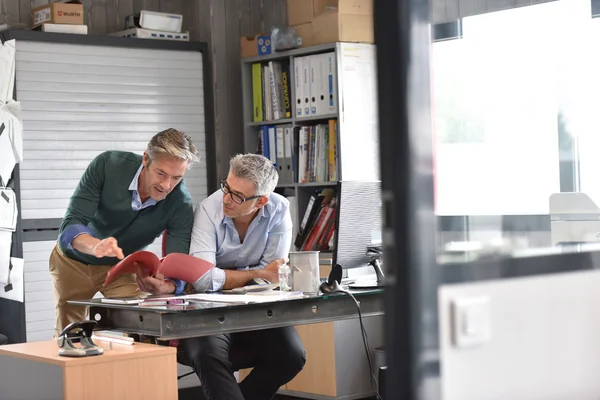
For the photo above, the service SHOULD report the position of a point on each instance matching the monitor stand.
(378, 282)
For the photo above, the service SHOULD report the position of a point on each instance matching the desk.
(206, 318)
(329, 329)
(36, 371)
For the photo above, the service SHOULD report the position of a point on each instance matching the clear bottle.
(285, 277)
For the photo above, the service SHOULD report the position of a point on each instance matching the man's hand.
(271, 271)
(107, 248)
(154, 284)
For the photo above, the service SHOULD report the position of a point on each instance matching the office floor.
(194, 393)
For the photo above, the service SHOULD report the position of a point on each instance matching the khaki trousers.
(74, 280)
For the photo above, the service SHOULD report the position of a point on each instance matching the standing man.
(245, 230)
(123, 202)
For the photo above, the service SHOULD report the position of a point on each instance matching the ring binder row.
(315, 85)
(315, 88)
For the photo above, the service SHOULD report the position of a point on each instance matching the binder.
(287, 156)
(265, 141)
(327, 85)
(306, 86)
(314, 81)
(257, 92)
(303, 155)
(272, 145)
(280, 160)
(298, 87)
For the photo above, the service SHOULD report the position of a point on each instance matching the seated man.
(123, 202)
(245, 230)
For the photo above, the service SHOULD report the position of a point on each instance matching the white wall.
(545, 340)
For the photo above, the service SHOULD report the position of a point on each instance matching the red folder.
(175, 266)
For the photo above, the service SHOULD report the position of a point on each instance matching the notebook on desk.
(232, 298)
(252, 288)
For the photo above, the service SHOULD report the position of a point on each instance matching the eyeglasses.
(236, 198)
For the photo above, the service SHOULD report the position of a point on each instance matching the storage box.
(349, 6)
(303, 11)
(141, 33)
(333, 26)
(65, 28)
(70, 13)
(158, 21)
(258, 45)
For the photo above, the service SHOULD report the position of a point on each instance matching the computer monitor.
(359, 223)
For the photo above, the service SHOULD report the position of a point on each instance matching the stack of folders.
(113, 337)
(303, 154)
(317, 228)
(300, 154)
(271, 91)
(318, 153)
(315, 85)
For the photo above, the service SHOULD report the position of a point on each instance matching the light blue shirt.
(136, 201)
(136, 204)
(215, 239)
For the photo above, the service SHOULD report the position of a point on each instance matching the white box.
(161, 21)
(142, 33)
(64, 28)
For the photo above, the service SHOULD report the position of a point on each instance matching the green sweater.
(102, 203)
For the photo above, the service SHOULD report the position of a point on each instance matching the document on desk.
(260, 297)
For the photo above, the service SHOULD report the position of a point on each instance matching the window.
(501, 93)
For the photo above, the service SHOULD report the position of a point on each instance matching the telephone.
(82, 332)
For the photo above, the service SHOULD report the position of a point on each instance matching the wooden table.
(36, 371)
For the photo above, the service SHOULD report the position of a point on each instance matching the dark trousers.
(277, 356)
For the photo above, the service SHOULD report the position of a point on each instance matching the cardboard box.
(259, 45)
(349, 6)
(305, 33)
(303, 11)
(333, 26)
(70, 13)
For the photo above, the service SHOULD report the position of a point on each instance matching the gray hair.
(173, 143)
(256, 168)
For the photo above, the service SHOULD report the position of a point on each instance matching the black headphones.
(333, 282)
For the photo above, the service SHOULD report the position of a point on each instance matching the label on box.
(41, 16)
(264, 45)
(61, 13)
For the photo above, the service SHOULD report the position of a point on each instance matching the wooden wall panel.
(221, 23)
(233, 18)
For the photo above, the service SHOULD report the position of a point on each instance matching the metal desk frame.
(172, 323)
